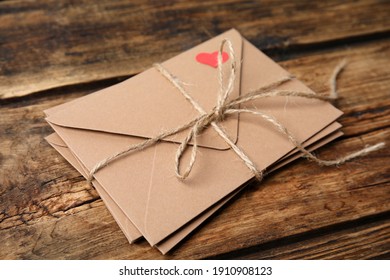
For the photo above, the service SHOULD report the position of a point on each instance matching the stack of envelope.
(140, 189)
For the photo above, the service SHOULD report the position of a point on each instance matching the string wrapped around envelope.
(225, 108)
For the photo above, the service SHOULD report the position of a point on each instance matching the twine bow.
(223, 109)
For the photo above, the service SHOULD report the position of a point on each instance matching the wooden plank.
(367, 241)
(49, 44)
(48, 211)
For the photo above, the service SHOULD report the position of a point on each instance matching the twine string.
(224, 108)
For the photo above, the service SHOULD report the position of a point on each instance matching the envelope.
(130, 231)
(142, 184)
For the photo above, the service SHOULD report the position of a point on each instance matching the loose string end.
(258, 175)
(362, 152)
(333, 95)
(89, 179)
(368, 149)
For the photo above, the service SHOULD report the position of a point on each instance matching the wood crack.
(27, 217)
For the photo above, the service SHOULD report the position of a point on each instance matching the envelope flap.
(148, 104)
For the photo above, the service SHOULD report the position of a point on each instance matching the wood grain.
(47, 211)
(368, 240)
(49, 44)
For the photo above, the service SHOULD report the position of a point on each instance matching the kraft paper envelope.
(130, 231)
(143, 184)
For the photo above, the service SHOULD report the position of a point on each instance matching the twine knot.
(216, 115)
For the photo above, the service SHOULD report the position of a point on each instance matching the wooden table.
(55, 51)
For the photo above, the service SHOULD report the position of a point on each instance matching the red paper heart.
(211, 58)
